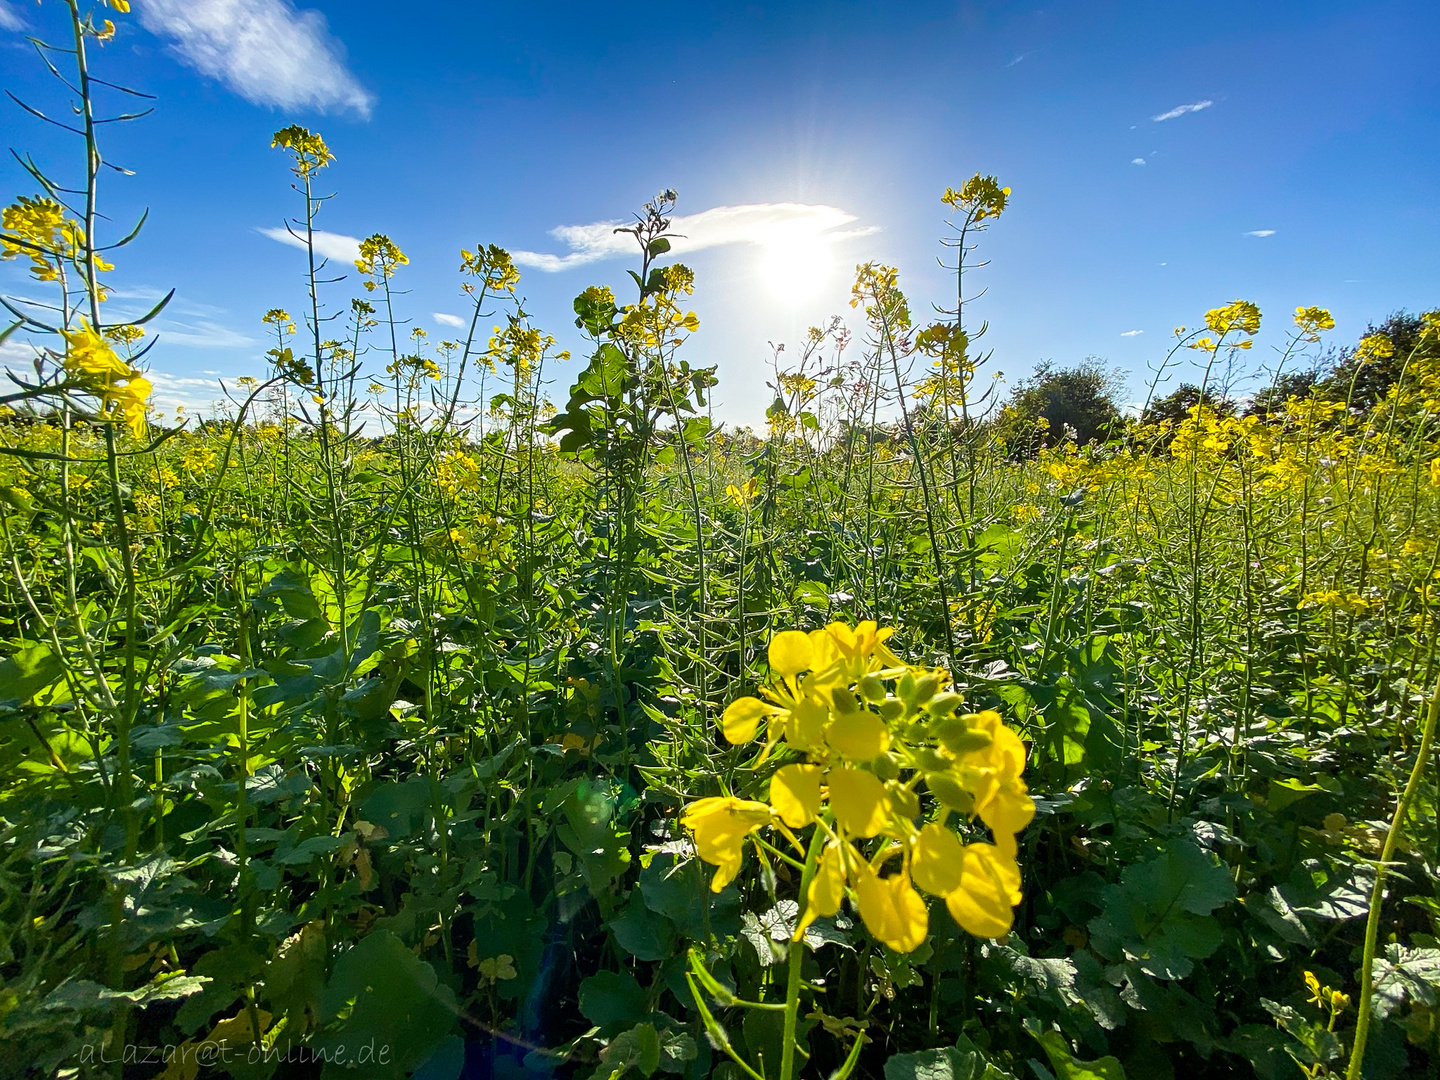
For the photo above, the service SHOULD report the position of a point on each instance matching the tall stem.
(797, 960)
(1377, 894)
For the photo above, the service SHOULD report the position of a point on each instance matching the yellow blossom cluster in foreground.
(862, 733)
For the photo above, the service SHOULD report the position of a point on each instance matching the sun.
(797, 266)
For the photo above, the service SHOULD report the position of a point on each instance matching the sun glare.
(798, 267)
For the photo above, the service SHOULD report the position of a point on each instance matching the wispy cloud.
(1018, 59)
(10, 18)
(329, 244)
(1261, 232)
(770, 224)
(267, 51)
(201, 334)
(447, 320)
(1181, 110)
(1131, 333)
(1137, 161)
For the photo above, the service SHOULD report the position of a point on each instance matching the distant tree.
(1058, 403)
(1364, 374)
(1269, 401)
(1176, 405)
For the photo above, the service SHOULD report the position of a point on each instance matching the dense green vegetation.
(401, 722)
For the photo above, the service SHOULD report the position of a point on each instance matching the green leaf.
(1156, 915)
(642, 933)
(1068, 1067)
(961, 1062)
(395, 1002)
(24, 673)
(611, 1000)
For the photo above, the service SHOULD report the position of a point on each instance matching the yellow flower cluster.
(94, 368)
(39, 230)
(981, 197)
(493, 266)
(1237, 317)
(379, 259)
(878, 288)
(307, 147)
(870, 730)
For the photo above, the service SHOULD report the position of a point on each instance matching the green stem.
(1377, 894)
(797, 960)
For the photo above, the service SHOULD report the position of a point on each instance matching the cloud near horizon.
(767, 224)
(267, 51)
(1181, 110)
(329, 244)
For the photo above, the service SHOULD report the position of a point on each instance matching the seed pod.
(968, 740)
(943, 704)
(871, 689)
(948, 790)
(902, 800)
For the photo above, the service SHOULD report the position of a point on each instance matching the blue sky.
(1164, 159)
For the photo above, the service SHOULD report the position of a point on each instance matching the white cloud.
(267, 51)
(447, 320)
(201, 334)
(1137, 161)
(769, 224)
(1261, 232)
(1181, 110)
(330, 245)
(10, 18)
(1017, 59)
(1131, 333)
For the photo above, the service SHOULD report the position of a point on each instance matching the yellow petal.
(805, 726)
(823, 650)
(790, 653)
(742, 718)
(795, 794)
(827, 888)
(891, 909)
(721, 825)
(937, 861)
(859, 736)
(1010, 810)
(989, 888)
(859, 801)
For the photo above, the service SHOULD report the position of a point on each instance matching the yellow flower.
(891, 909)
(742, 718)
(858, 736)
(790, 653)
(937, 860)
(827, 887)
(721, 824)
(795, 794)
(989, 888)
(858, 799)
(981, 196)
(307, 147)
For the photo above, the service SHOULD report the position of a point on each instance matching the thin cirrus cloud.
(267, 51)
(766, 224)
(10, 18)
(446, 319)
(1261, 232)
(1131, 333)
(328, 244)
(1181, 110)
